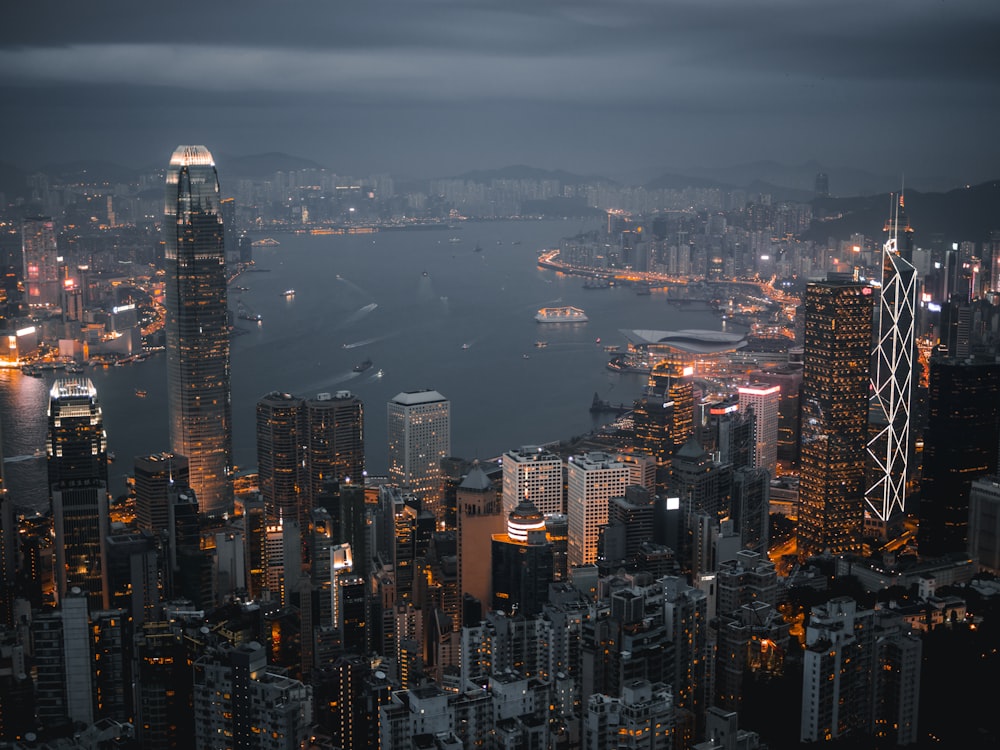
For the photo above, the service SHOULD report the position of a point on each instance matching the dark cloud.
(436, 87)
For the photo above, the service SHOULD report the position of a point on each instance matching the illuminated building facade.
(335, 435)
(154, 475)
(197, 329)
(765, 401)
(535, 474)
(41, 261)
(77, 449)
(835, 383)
(522, 563)
(892, 383)
(592, 480)
(419, 435)
(280, 443)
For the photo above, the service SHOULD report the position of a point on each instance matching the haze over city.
(423, 89)
(346, 402)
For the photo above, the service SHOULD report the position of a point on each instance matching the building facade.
(419, 435)
(592, 479)
(835, 383)
(892, 387)
(535, 474)
(197, 326)
(77, 450)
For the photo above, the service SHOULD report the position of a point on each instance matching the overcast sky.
(429, 88)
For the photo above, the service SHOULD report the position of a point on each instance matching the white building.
(592, 479)
(535, 474)
(764, 399)
(419, 435)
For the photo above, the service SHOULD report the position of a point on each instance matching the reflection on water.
(412, 331)
(24, 405)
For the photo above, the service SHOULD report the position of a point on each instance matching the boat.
(541, 344)
(477, 248)
(32, 370)
(597, 283)
(525, 356)
(453, 240)
(561, 315)
(289, 292)
(379, 374)
(466, 346)
(362, 366)
(245, 313)
(74, 368)
(140, 393)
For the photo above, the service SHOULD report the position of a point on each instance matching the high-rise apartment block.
(419, 436)
(197, 327)
(835, 386)
(238, 700)
(41, 261)
(861, 675)
(535, 474)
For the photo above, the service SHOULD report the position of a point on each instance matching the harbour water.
(456, 317)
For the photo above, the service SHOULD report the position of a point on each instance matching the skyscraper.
(335, 430)
(419, 433)
(764, 399)
(960, 446)
(892, 380)
(197, 330)
(77, 449)
(835, 381)
(280, 448)
(535, 474)
(155, 474)
(41, 265)
(592, 479)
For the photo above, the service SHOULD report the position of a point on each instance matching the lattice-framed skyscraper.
(892, 378)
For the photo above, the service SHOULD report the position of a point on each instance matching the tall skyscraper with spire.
(892, 375)
(835, 382)
(197, 330)
(77, 449)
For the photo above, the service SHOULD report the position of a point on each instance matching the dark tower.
(960, 445)
(197, 326)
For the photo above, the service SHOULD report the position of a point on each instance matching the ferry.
(561, 315)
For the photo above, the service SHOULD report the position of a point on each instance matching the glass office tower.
(197, 326)
(835, 383)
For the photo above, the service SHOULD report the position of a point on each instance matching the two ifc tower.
(197, 334)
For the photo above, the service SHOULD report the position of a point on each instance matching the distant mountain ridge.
(964, 214)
